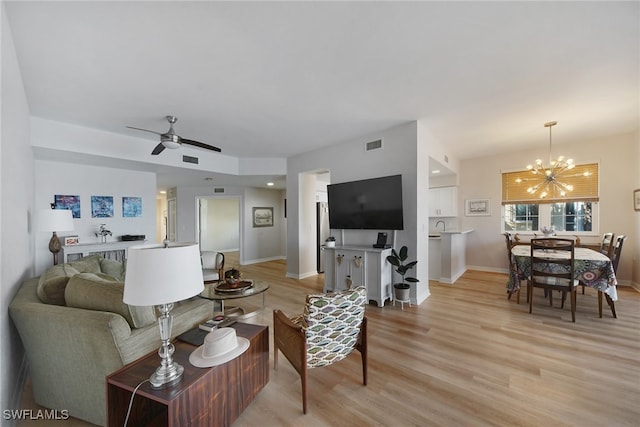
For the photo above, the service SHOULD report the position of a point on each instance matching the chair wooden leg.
(600, 304)
(574, 295)
(303, 378)
(530, 297)
(518, 297)
(564, 297)
(612, 304)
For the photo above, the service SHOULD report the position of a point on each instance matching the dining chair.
(212, 266)
(552, 270)
(513, 268)
(614, 255)
(329, 329)
(606, 245)
(605, 248)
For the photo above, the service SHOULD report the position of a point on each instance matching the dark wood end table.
(204, 397)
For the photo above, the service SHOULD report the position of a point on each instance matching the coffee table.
(259, 287)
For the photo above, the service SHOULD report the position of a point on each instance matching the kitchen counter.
(449, 248)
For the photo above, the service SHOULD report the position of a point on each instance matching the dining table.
(592, 268)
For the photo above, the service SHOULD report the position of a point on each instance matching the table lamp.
(161, 275)
(54, 220)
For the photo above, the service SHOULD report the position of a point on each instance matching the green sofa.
(76, 330)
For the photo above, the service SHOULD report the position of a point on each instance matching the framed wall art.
(68, 202)
(477, 207)
(131, 207)
(101, 206)
(263, 217)
(636, 200)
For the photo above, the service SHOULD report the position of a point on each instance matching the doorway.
(219, 224)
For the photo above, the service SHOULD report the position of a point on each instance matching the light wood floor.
(465, 357)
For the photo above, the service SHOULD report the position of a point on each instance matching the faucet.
(444, 226)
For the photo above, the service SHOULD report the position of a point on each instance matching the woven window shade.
(585, 188)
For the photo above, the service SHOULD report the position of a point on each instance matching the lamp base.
(166, 376)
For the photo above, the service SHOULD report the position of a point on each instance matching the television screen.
(370, 204)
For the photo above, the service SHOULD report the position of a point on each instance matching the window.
(577, 213)
(570, 217)
(520, 217)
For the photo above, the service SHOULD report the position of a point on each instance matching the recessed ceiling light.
(270, 184)
(163, 192)
(435, 171)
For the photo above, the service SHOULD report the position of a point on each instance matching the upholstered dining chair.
(212, 266)
(551, 272)
(329, 329)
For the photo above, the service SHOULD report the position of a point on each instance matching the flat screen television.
(370, 204)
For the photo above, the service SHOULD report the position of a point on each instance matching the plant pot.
(401, 291)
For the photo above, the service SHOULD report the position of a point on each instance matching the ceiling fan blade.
(145, 130)
(199, 144)
(159, 149)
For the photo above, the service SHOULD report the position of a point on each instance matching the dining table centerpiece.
(548, 231)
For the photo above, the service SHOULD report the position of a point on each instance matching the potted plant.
(330, 242)
(398, 260)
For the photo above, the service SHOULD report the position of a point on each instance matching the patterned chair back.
(331, 323)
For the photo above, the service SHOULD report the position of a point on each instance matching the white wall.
(220, 224)
(636, 250)
(256, 243)
(53, 178)
(16, 209)
(349, 161)
(481, 178)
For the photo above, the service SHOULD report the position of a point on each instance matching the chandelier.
(551, 176)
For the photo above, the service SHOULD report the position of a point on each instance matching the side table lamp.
(161, 275)
(53, 220)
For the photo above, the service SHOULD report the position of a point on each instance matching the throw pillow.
(53, 282)
(112, 268)
(102, 292)
(90, 264)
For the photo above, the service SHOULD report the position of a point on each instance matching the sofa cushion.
(52, 283)
(101, 292)
(90, 264)
(112, 268)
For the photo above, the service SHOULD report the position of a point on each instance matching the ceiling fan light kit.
(172, 141)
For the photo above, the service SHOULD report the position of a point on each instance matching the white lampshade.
(54, 220)
(161, 275)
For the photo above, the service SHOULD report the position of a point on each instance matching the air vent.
(189, 159)
(218, 190)
(374, 145)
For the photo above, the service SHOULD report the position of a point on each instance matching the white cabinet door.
(443, 202)
(350, 268)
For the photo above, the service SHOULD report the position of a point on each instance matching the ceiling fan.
(171, 140)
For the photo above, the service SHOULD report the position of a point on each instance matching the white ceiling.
(266, 79)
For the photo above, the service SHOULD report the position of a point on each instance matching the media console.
(352, 266)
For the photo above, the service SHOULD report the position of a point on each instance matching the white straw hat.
(220, 346)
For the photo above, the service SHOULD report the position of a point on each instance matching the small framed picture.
(636, 200)
(477, 207)
(263, 217)
(71, 240)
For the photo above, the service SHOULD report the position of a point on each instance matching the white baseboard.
(257, 261)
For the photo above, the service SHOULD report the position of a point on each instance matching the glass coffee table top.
(257, 287)
(210, 291)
